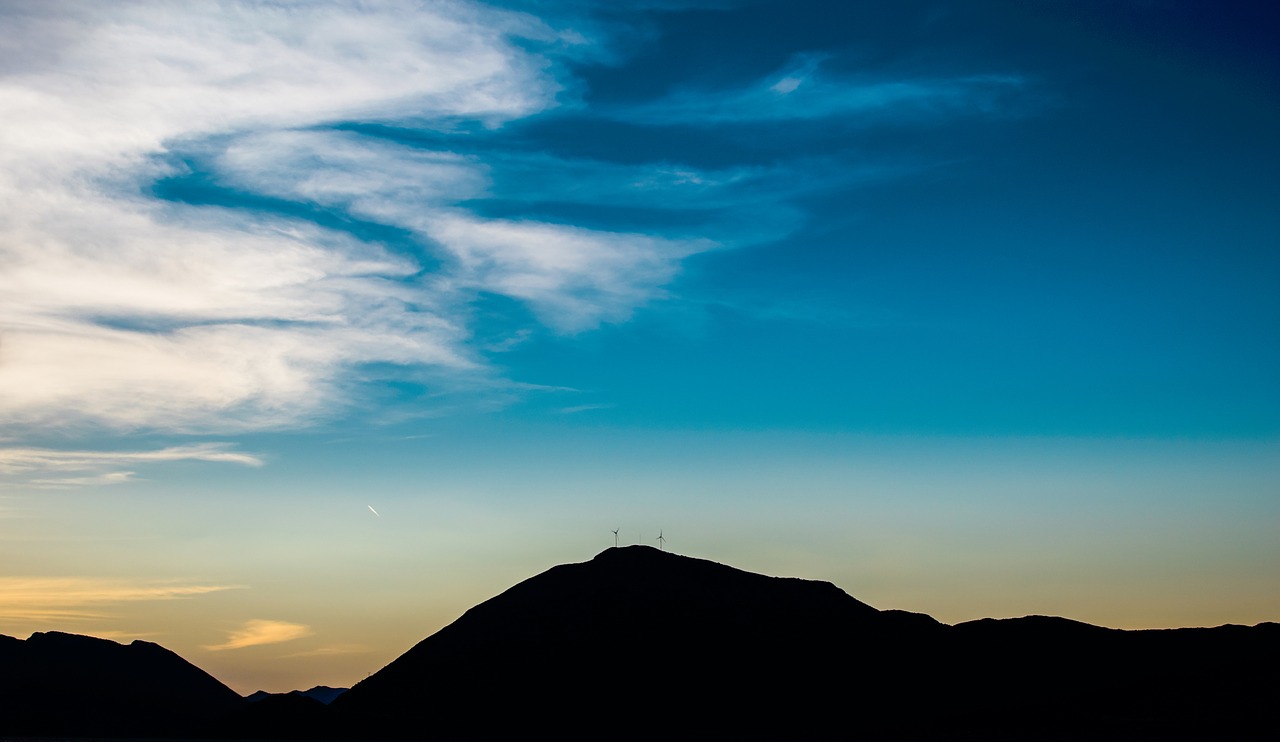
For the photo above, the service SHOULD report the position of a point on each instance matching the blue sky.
(970, 308)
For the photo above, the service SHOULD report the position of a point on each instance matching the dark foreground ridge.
(639, 643)
(70, 685)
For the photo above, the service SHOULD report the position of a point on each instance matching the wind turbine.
(661, 540)
(615, 538)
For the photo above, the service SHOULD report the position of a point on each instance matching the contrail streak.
(375, 512)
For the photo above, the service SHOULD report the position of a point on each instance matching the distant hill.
(643, 643)
(298, 714)
(322, 693)
(56, 684)
(277, 716)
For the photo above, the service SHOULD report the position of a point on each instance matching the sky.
(321, 322)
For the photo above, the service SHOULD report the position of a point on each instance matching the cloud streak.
(262, 631)
(572, 278)
(90, 468)
(332, 651)
(803, 92)
(48, 599)
(14, 459)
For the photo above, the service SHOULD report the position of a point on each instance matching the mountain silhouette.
(638, 642)
(633, 629)
(56, 684)
(297, 714)
(321, 693)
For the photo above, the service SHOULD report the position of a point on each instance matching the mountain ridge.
(55, 683)
(800, 659)
(706, 651)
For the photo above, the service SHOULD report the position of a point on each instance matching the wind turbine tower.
(615, 538)
(661, 540)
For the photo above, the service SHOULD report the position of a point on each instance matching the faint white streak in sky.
(90, 468)
(803, 92)
(584, 408)
(262, 631)
(331, 650)
(47, 599)
(786, 85)
(96, 480)
(24, 459)
(510, 342)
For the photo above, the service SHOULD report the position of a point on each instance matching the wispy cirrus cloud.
(571, 277)
(265, 308)
(803, 91)
(262, 631)
(129, 312)
(50, 599)
(576, 409)
(95, 480)
(18, 459)
(87, 468)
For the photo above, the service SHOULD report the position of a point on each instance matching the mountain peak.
(665, 624)
(631, 551)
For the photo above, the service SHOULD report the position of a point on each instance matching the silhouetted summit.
(66, 684)
(634, 628)
(638, 642)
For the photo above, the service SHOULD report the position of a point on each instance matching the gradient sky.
(322, 322)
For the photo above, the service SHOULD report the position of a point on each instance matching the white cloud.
(46, 599)
(802, 92)
(131, 313)
(109, 80)
(15, 459)
(343, 169)
(786, 85)
(585, 408)
(91, 468)
(261, 631)
(573, 278)
(96, 480)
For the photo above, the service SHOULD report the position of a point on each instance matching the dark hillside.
(706, 650)
(638, 642)
(56, 684)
